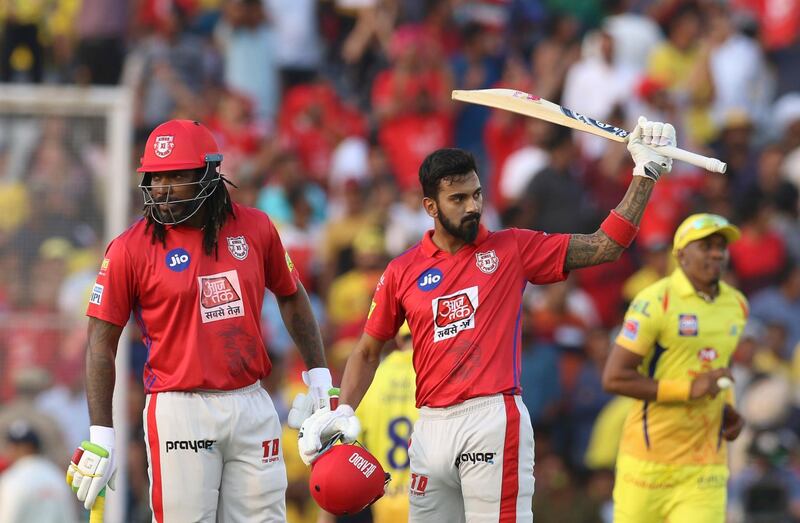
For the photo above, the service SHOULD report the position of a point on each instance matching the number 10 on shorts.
(418, 484)
(271, 450)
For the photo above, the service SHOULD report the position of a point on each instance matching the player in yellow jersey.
(676, 343)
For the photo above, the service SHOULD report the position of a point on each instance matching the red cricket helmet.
(179, 144)
(346, 479)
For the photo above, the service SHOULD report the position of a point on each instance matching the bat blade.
(530, 105)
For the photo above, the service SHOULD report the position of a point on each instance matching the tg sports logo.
(454, 313)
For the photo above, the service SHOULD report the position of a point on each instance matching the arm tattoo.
(635, 201)
(100, 370)
(585, 250)
(299, 320)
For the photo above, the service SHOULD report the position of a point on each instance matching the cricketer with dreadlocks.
(211, 430)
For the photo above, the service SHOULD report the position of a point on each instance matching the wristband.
(345, 410)
(619, 229)
(103, 436)
(319, 377)
(673, 390)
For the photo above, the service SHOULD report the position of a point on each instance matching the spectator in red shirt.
(313, 120)
(760, 254)
(411, 101)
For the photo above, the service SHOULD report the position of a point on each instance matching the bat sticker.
(622, 133)
(526, 96)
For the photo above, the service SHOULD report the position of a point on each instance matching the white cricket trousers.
(215, 457)
(472, 462)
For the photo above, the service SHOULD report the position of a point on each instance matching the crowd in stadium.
(324, 112)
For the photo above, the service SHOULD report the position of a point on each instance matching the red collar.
(430, 249)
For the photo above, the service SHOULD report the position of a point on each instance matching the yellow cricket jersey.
(387, 413)
(679, 335)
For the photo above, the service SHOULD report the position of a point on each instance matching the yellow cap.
(698, 226)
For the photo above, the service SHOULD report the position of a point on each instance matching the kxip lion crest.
(163, 145)
(238, 247)
(487, 262)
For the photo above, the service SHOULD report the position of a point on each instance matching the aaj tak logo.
(454, 313)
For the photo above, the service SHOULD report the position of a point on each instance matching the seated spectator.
(32, 489)
(168, 68)
(27, 384)
(520, 165)
(559, 182)
(759, 256)
(285, 175)
(604, 283)
(780, 304)
(238, 132)
(476, 65)
(411, 101)
(350, 294)
(735, 143)
(597, 66)
(587, 398)
(559, 305)
(656, 262)
(541, 386)
(340, 231)
(249, 45)
(679, 63)
(769, 488)
(313, 120)
(301, 238)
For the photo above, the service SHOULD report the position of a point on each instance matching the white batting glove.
(324, 425)
(649, 163)
(320, 387)
(92, 465)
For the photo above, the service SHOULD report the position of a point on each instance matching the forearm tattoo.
(585, 250)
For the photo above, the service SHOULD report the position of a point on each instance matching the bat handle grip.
(97, 514)
(698, 160)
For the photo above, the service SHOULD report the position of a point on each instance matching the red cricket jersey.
(465, 309)
(200, 316)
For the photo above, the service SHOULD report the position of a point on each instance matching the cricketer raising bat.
(533, 106)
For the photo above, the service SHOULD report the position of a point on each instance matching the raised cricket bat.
(530, 105)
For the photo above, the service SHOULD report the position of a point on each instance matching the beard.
(171, 213)
(467, 230)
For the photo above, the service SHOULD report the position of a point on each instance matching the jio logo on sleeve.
(177, 260)
(429, 279)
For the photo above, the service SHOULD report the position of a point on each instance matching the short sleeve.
(643, 321)
(385, 315)
(114, 290)
(281, 274)
(543, 255)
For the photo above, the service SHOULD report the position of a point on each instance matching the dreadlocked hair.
(218, 207)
